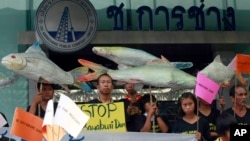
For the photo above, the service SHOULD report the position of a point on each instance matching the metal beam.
(157, 37)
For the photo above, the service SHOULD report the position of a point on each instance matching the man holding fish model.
(45, 92)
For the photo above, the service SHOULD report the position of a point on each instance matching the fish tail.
(77, 72)
(97, 68)
(93, 66)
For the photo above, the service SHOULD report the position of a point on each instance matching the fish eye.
(13, 56)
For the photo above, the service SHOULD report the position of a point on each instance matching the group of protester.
(195, 116)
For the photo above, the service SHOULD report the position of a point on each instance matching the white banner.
(114, 136)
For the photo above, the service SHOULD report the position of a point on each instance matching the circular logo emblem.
(65, 25)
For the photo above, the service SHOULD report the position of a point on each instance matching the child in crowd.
(188, 121)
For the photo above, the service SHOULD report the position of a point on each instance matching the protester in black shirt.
(188, 121)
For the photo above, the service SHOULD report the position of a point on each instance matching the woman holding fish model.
(39, 103)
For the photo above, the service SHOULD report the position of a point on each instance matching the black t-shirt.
(140, 120)
(245, 120)
(40, 112)
(181, 126)
(211, 118)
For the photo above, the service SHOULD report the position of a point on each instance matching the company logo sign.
(65, 25)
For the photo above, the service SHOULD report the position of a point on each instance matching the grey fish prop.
(218, 72)
(8, 81)
(154, 74)
(129, 57)
(34, 64)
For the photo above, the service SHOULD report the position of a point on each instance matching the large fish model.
(153, 74)
(129, 57)
(220, 73)
(34, 64)
(159, 75)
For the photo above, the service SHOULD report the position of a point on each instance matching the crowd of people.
(194, 115)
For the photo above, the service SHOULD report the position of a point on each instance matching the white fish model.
(34, 64)
(218, 72)
(153, 74)
(129, 57)
(5, 82)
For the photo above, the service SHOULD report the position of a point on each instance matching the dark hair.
(232, 89)
(104, 74)
(144, 99)
(186, 95)
(223, 123)
(39, 84)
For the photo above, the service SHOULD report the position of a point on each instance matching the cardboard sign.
(110, 117)
(50, 131)
(206, 88)
(27, 125)
(69, 116)
(243, 63)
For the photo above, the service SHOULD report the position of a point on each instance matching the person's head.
(203, 102)
(105, 84)
(187, 104)
(47, 90)
(223, 123)
(130, 88)
(145, 102)
(238, 95)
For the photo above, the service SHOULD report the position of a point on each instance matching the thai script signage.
(196, 13)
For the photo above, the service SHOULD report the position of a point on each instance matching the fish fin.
(156, 61)
(217, 59)
(164, 59)
(77, 72)
(35, 48)
(97, 68)
(182, 65)
(179, 65)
